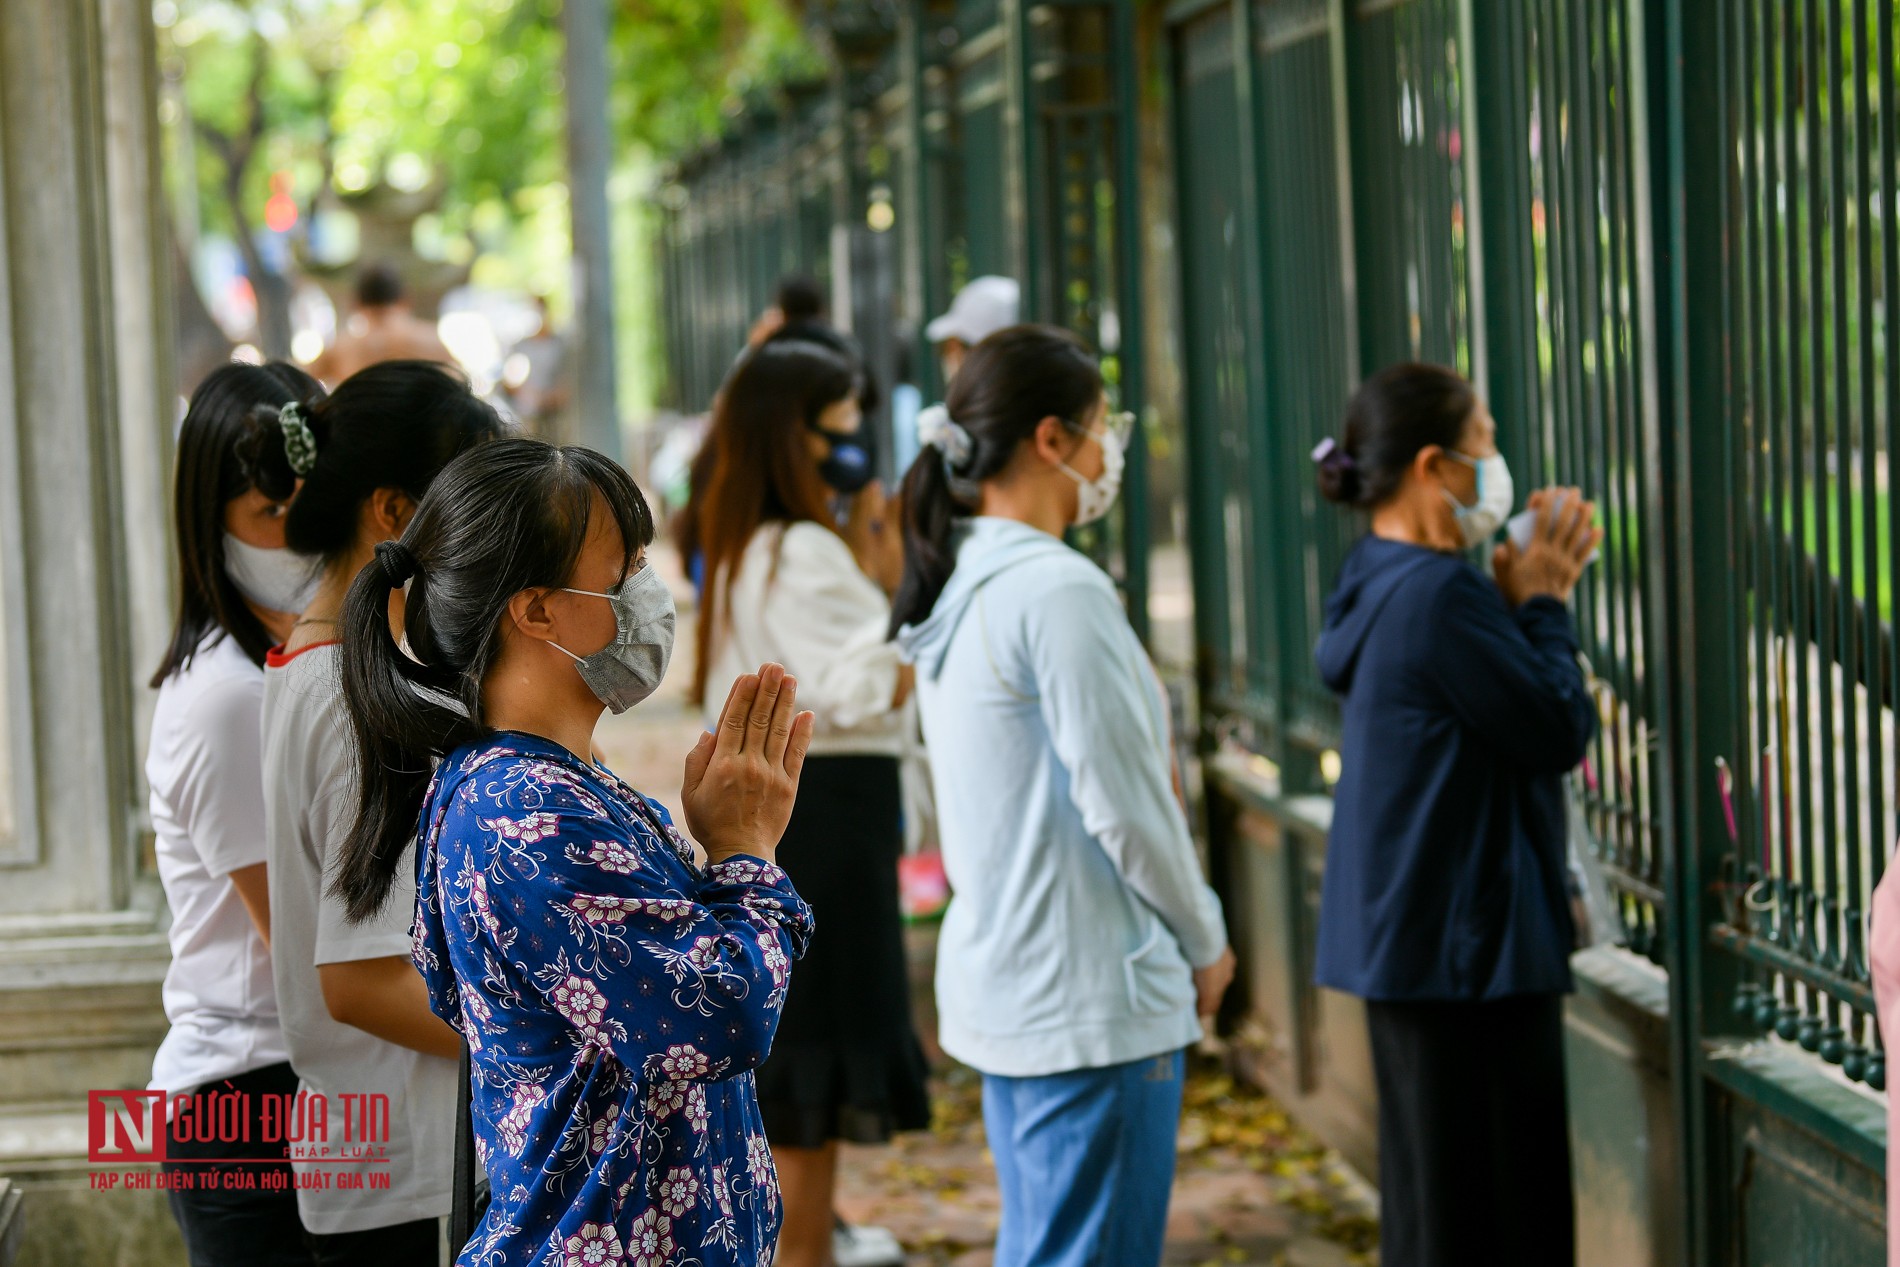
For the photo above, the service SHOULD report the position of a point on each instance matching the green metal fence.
(1504, 223)
(1812, 390)
(1565, 212)
(952, 140)
(1660, 235)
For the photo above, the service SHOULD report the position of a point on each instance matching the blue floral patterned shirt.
(615, 998)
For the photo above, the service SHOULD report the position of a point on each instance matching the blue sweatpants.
(1085, 1162)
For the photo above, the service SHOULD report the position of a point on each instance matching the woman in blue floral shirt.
(614, 993)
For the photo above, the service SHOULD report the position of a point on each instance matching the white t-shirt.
(208, 818)
(308, 772)
(798, 597)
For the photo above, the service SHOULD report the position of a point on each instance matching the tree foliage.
(337, 90)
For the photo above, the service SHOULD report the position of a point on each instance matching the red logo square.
(125, 1126)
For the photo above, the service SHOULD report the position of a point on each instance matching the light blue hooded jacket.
(1078, 903)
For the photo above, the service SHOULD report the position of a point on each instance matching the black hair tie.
(397, 562)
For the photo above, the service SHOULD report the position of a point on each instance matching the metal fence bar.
(1843, 886)
(1887, 194)
(1854, 1058)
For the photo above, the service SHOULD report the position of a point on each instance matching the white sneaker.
(865, 1247)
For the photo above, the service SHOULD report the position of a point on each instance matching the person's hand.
(742, 777)
(875, 536)
(770, 322)
(1211, 982)
(1560, 544)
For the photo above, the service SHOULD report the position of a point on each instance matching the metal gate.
(1661, 237)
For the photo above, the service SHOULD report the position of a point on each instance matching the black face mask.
(847, 462)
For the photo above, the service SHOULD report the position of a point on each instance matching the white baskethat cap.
(983, 307)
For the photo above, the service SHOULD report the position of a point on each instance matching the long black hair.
(817, 330)
(1009, 383)
(392, 425)
(1395, 413)
(209, 475)
(504, 517)
(756, 469)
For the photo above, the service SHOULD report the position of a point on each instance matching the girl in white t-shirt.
(354, 1011)
(239, 590)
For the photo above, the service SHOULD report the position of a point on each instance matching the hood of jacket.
(1371, 574)
(985, 547)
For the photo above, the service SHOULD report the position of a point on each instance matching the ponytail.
(930, 511)
(400, 720)
(1007, 385)
(393, 425)
(506, 516)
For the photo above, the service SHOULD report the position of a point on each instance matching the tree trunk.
(200, 345)
(271, 288)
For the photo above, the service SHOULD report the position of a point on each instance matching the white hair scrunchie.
(937, 430)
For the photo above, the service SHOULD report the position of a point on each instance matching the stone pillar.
(84, 596)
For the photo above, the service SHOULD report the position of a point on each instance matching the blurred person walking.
(239, 590)
(1445, 903)
(614, 993)
(1081, 944)
(353, 1006)
(535, 375)
(783, 582)
(381, 329)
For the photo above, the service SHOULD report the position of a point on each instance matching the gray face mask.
(629, 668)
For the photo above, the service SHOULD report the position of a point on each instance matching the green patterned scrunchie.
(300, 443)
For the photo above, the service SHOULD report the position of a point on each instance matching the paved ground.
(1253, 1190)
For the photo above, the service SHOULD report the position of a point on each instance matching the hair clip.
(1327, 453)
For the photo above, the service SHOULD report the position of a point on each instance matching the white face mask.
(1480, 520)
(275, 579)
(1095, 496)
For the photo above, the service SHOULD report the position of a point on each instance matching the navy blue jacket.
(1445, 869)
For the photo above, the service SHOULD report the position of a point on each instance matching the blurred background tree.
(306, 137)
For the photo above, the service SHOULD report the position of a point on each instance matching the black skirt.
(846, 1063)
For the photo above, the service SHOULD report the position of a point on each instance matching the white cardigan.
(798, 597)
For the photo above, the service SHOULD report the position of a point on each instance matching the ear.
(528, 612)
(1426, 462)
(389, 511)
(1053, 441)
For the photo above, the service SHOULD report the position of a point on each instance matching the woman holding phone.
(785, 581)
(1445, 905)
